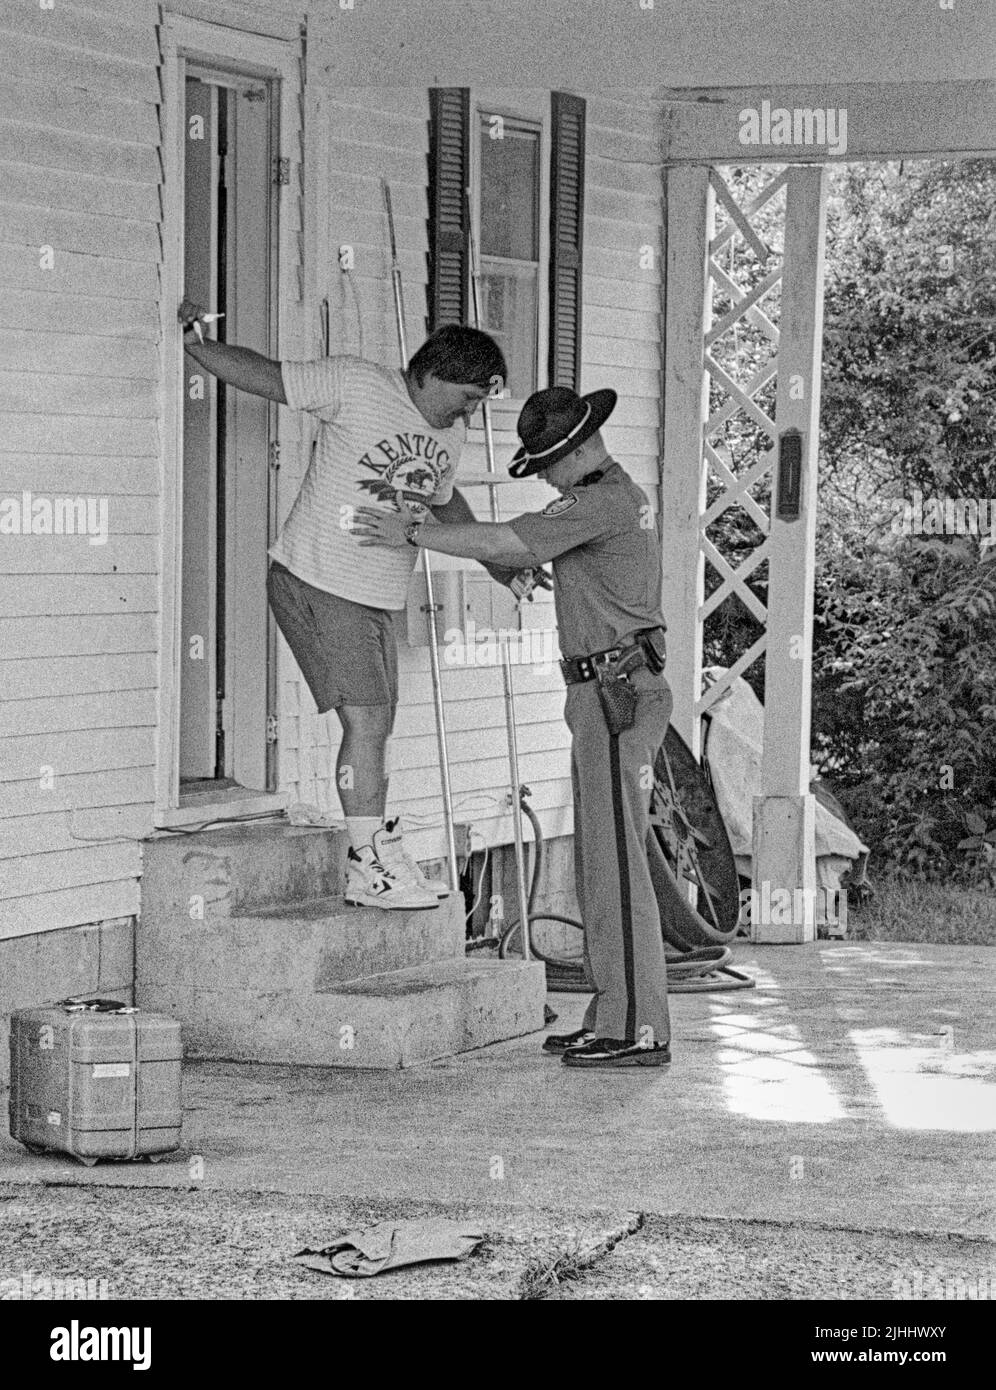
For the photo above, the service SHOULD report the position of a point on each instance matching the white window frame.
(528, 106)
(193, 39)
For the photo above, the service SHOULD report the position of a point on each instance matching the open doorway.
(231, 172)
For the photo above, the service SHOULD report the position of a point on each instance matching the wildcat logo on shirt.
(412, 463)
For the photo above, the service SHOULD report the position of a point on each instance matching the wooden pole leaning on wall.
(508, 688)
(430, 599)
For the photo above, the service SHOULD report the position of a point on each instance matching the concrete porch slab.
(851, 1090)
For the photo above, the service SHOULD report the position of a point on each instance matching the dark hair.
(456, 353)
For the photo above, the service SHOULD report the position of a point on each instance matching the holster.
(618, 696)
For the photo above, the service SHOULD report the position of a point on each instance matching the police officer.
(600, 536)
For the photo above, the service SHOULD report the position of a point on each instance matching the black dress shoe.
(618, 1052)
(565, 1042)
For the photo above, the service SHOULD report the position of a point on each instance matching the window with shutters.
(509, 211)
(520, 154)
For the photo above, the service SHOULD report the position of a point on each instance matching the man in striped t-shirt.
(382, 432)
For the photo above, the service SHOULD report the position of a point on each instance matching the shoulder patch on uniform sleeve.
(560, 505)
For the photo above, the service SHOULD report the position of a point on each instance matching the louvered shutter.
(566, 235)
(449, 174)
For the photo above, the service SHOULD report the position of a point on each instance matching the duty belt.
(585, 668)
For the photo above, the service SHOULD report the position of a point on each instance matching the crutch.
(430, 601)
(506, 663)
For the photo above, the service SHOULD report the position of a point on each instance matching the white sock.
(361, 829)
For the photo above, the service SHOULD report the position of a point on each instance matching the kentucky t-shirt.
(371, 442)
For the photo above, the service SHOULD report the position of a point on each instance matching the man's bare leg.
(362, 780)
(360, 772)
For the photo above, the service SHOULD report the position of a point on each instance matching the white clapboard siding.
(622, 354)
(83, 313)
(55, 64)
(85, 233)
(93, 27)
(87, 355)
(116, 786)
(66, 394)
(40, 149)
(76, 675)
(80, 210)
(111, 710)
(81, 110)
(70, 434)
(68, 754)
(468, 745)
(45, 636)
(105, 196)
(43, 912)
(51, 474)
(71, 272)
(278, 19)
(137, 554)
(109, 787)
(48, 873)
(62, 594)
(622, 323)
(53, 832)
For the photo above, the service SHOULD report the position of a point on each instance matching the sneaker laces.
(392, 841)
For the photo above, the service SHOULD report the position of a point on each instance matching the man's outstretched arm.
(236, 366)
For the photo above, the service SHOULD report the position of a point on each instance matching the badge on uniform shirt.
(559, 505)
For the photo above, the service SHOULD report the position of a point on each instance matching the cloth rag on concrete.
(391, 1244)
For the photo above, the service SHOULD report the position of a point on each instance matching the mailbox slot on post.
(789, 500)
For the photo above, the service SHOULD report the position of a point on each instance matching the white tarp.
(733, 749)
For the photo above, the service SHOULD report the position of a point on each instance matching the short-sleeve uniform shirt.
(372, 442)
(606, 561)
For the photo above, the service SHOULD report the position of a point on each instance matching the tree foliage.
(904, 679)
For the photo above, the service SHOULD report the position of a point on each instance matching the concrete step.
(389, 1020)
(236, 869)
(245, 939)
(305, 946)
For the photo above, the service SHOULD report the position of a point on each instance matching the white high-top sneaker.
(369, 883)
(389, 847)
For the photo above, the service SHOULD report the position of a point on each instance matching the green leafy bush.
(904, 657)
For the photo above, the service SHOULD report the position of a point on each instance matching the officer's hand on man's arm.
(456, 512)
(236, 366)
(490, 542)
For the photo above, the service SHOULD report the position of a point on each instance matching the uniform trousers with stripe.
(623, 946)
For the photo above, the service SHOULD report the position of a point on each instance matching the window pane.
(509, 193)
(509, 302)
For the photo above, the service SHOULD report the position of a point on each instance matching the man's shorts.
(347, 652)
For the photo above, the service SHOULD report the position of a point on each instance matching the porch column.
(683, 482)
(784, 847)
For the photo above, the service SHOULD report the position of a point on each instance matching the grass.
(544, 1273)
(907, 909)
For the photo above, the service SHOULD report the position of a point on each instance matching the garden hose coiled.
(690, 969)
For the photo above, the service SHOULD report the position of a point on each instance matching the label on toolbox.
(112, 1069)
(54, 1118)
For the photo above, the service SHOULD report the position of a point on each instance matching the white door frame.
(263, 57)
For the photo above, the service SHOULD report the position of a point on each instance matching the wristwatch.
(411, 533)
